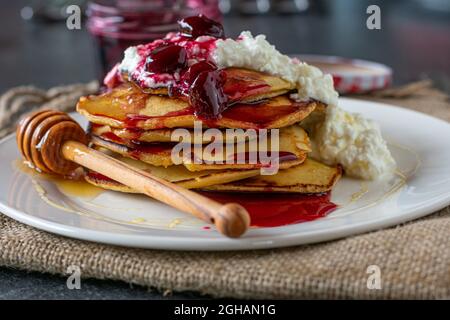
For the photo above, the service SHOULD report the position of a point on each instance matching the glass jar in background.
(117, 24)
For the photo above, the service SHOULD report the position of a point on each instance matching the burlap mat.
(414, 259)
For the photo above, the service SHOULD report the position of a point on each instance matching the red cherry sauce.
(109, 136)
(182, 88)
(167, 58)
(241, 84)
(261, 114)
(194, 50)
(138, 148)
(257, 115)
(206, 95)
(270, 209)
(194, 70)
(278, 209)
(97, 176)
(200, 25)
(132, 121)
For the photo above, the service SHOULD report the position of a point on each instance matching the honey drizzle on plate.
(73, 185)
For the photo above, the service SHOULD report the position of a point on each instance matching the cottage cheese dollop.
(257, 53)
(131, 60)
(352, 141)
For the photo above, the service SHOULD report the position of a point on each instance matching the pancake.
(309, 177)
(243, 85)
(293, 146)
(126, 106)
(157, 154)
(157, 135)
(176, 174)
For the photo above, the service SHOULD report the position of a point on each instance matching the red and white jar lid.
(352, 75)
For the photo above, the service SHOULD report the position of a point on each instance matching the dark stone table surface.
(415, 42)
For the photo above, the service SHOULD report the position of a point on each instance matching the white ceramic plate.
(419, 143)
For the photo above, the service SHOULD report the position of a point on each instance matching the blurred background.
(36, 47)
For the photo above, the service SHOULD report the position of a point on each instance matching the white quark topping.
(256, 53)
(130, 60)
(130, 64)
(352, 141)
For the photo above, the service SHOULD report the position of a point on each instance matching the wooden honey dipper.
(54, 143)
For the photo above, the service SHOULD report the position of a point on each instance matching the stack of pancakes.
(135, 126)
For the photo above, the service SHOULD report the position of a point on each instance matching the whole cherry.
(200, 25)
(167, 58)
(191, 74)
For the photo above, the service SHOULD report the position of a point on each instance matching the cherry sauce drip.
(207, 96)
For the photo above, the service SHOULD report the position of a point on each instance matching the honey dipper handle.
(230, 219)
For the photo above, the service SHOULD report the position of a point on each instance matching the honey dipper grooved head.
(234, 220)
(40, 136)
